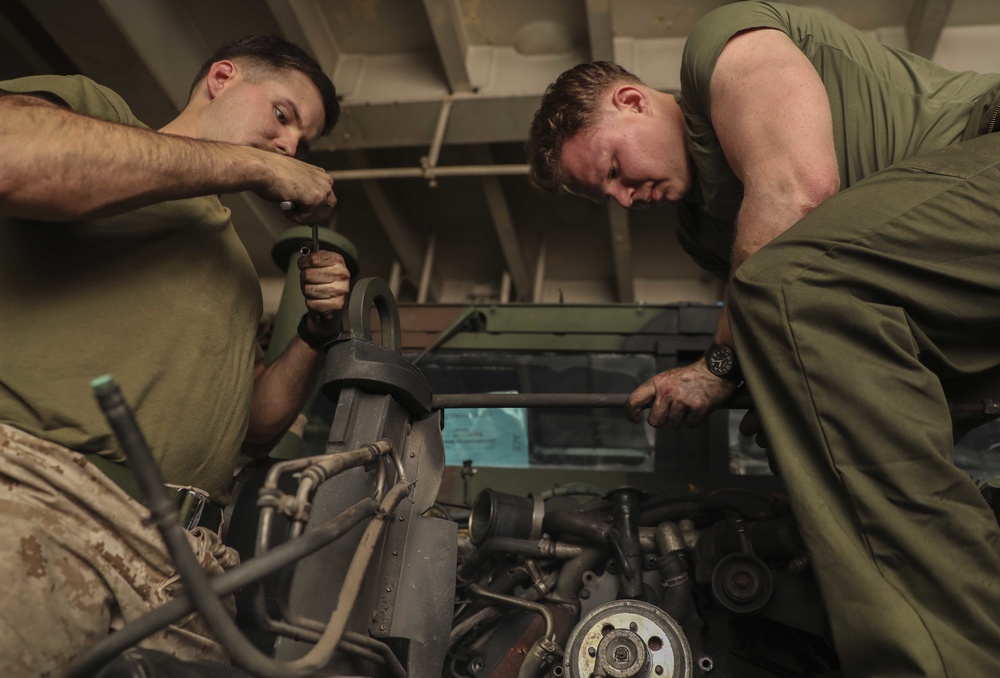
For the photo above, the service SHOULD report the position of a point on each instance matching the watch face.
(720, 360)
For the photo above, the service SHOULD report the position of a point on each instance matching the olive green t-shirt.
(164, 298)
(887, 105)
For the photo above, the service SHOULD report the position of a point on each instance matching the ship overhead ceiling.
(437, 98)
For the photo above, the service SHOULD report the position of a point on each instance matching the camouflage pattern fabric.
(78, 562)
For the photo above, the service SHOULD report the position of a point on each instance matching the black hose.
(587, 526)
(239, 577)
(674, 512)
(165, 516)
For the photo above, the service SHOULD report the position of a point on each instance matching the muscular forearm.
(57, 165)
(280, 391)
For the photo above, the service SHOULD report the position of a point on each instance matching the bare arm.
(281, 388)
(58, 165)
(683, 396)
(772, 116)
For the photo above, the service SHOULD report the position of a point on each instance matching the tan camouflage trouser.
(77, 562)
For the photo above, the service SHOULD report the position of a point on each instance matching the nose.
(286, 145)
(623, 196)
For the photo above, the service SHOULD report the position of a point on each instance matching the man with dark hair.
(264, 55)
(848, 308)
(116, 256)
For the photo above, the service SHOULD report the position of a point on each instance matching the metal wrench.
(287, 206)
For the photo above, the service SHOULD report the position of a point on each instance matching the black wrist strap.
(313, 340)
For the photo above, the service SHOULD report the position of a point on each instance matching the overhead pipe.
(429, 161)
(429, 173)
(428, 164)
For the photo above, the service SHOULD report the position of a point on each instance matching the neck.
(184, 125)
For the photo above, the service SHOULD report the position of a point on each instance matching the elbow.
(818, 188)
(258, 442)
(265, 431)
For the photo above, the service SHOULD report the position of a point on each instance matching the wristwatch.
(721, 361)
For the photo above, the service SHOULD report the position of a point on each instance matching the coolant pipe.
(504, 581)
(674, 511)
(672, 564)
(570, 580)
(522, 547)
(321, 654)
(624, 540)
(545, 647)
(587, 526)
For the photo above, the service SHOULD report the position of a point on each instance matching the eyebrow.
(295, 109)
(303, 145)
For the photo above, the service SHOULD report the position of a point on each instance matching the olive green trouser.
(844, 327)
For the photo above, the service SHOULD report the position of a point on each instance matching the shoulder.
(77, 92)
(804, 26)
(710, 35)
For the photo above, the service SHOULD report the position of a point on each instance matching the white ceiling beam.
(927, 20)
(166, 40)
(445, 17)
(303, 22)
(510, 245)
(602, 43)
(400, 123)
(621, 246)
(409, 249)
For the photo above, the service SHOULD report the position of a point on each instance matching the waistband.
(193, 504)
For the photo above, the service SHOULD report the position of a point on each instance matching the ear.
(629, 98)
(219, 75)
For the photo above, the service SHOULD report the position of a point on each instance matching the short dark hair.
(270, 52)
(569, 105)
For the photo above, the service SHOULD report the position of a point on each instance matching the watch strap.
(313, 340)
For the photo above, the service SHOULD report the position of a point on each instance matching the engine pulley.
(742, 583)
(628, 639)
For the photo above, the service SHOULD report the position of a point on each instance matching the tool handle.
(305, 250)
